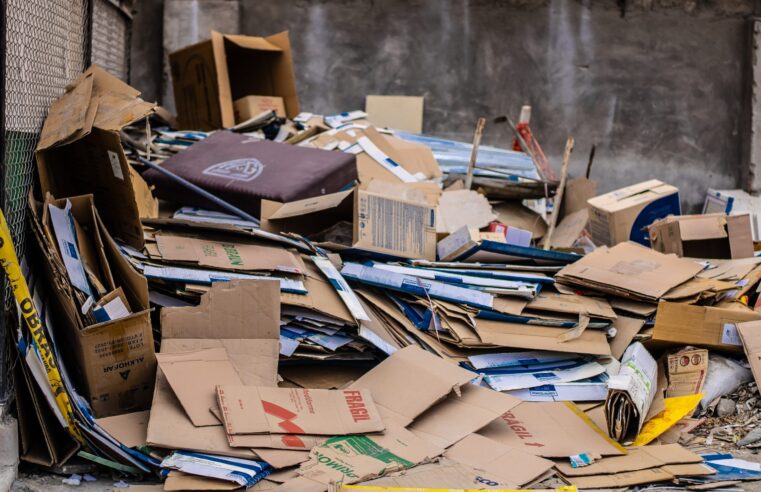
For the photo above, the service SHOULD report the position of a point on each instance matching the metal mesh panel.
(44, 49)
(110, 38)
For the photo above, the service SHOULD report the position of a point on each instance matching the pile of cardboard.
(336, 307)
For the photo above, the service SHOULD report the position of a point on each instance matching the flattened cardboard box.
(243, 317)
(629, 270)
(623, 214)
(519, 335)
(497, 461)
(427, 379)
(115, 359)
(551, 430)
(227, 255)
(352, 459)
(262, 410)
(210, 75)
(80, 150)
(702, 326)
(441, 475)
(703, 236)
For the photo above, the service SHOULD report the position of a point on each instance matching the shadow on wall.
(657, 99)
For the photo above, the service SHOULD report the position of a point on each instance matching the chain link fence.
(45, 45)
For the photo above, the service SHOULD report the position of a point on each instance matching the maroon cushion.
(242, 171)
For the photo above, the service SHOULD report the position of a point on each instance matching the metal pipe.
(197, 189)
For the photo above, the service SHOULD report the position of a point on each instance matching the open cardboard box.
(704, 236)
(382, 223)
(209, 76)
(114, 360)
(80, 149)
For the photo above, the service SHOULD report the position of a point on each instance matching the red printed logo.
(285, 415)
(293, 441)
(356, 405)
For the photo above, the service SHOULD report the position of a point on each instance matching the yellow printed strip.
(569, 488)
(583, 416)
(10, 264)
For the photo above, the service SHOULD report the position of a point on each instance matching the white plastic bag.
(724, 376)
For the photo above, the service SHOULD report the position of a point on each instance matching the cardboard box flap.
(129, 429)
(630, 195)
(496, 460)
(750, 334)
(117, 110)
(306, 206)
(703, 227)
(630, 267)
(251, 42)
(95, 99)
(169, 427)
(458, 416)
(193, 376)
(652, 456)
(70, 116)
(426, 379)
(240, 309)
(573, 304)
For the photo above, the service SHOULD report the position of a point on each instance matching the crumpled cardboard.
(631, 393)
(80, 150)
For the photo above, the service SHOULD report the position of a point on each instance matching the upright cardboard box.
(210, 75)
(703, 236)
(623, 215)
(114, 360)
(250, 106)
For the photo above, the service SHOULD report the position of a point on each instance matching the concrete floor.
(53, 483)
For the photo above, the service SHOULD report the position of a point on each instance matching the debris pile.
(262, 297)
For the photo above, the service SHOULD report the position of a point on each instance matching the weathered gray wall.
(660, 90)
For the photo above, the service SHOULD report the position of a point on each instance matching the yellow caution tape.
(10, 264)
(676, 408)
(568, 488)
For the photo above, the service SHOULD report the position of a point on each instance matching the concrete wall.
(660, 90)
